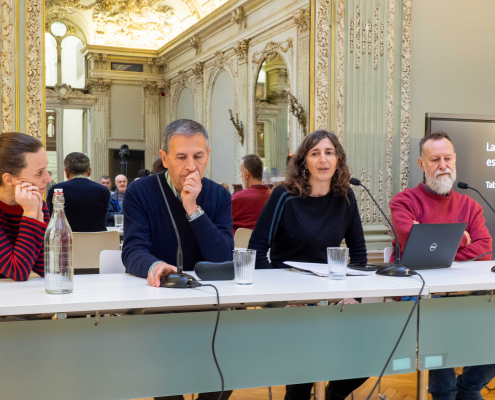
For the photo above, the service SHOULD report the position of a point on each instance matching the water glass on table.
(119, 221)
(244, 261)
(337, 262)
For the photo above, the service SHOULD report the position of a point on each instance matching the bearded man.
(434, 202)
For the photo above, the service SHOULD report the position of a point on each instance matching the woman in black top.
(312, 210)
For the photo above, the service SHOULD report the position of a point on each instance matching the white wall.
(453, 63)
(222, 131)
(185, 107)
(73, 131)
(126, 106)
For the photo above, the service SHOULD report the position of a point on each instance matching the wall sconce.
(237, 125)
(298, 111)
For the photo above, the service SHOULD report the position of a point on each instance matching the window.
(60, 44)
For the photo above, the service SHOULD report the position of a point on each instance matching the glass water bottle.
(59, 272)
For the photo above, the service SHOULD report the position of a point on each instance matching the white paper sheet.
(320, 269)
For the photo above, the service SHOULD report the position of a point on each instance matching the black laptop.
(429, 246)
(432, 245)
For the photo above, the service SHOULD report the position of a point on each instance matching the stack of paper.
(320, 269)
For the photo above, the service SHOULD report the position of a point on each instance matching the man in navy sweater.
(202, 209)
(86, 202)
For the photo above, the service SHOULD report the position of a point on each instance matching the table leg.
(320, 390)
(422, 385)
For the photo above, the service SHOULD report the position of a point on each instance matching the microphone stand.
(395, 269)
(462, 185)
(179, 280)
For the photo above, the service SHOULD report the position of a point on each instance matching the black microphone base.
(395, 270)
(178, 281)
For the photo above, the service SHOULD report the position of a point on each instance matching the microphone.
(463, 185)
(143, 172)
(395, 269)
(179, 280)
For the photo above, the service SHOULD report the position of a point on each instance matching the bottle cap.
(59, 191)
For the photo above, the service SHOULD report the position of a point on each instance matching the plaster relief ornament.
(139, 23)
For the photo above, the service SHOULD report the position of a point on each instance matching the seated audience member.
(434, 201)
(225, 185)
(313, 209)
(116, 199)
(86, 202)
(158, 166)
(105, 181)
(23, 213)
(201, 209)
(248, 203)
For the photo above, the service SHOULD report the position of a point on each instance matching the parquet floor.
(396, 387)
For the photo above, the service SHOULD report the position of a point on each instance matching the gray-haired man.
(200, 207)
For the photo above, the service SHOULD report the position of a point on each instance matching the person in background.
(158, 165)
(434, 201)
(200, 207)
(24, 215)
(116, 199)
(105, 181)
(225, 185)
(314, 208)
(248, 203)
(86, 202)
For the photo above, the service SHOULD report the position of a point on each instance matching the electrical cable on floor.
(214, 336)
(400, 336)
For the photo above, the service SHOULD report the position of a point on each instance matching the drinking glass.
(119, 221)
(244, 261)
(337, 262)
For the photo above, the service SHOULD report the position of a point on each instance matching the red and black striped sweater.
(21, 243)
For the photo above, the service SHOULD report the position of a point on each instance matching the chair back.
(387, 253)
(87, 246)
(241, 238)
(111, 262)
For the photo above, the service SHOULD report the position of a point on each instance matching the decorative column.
(168, 102)
(301, 19)
(7, 64)
(197, 78)
(151, 121)
(241, 49)
(100, 116)
(34, 74)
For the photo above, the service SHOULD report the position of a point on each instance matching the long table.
(169, 352)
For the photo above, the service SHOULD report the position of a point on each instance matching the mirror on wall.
(272, 117)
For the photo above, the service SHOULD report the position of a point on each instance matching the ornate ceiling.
(144, 24)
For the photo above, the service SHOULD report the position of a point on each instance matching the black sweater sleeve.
(354, 235)
(261, 237)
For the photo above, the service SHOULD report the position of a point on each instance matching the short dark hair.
(76, 163)
(186, 127)
(158, 165)
(13, 149)
(253, 163)
(432, 136)
(104, 177)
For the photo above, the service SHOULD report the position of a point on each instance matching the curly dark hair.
(297, 175)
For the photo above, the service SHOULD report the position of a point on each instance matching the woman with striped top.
(23, 213)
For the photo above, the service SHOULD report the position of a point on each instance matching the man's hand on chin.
(161, 269)
(190, 192)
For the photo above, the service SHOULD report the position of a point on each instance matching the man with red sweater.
(247, 204)
(434, 201)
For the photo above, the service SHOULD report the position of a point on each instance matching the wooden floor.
(395, 387)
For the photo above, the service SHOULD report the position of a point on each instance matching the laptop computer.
(429, 246)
